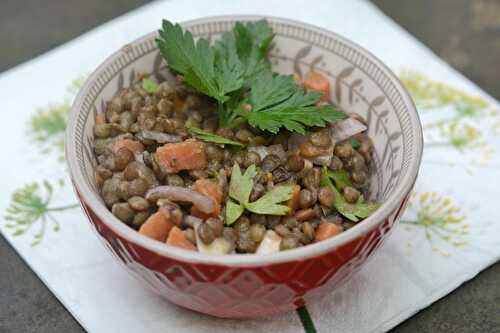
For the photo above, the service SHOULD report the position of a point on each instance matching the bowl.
(250, 285)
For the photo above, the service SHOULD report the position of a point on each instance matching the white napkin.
(435, 251)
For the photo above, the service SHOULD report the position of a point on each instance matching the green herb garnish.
(340, 178)
(197, 62)
(354, 143)
(353, 212)
(30, 205)
(277, 101)
(150, 86)
(209, 137)
(241, 186)
(235, 72)
(269, 203)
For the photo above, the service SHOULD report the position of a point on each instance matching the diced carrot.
(213, 191)
(172, 214)
(179, 105)
(293, 202)
(177, 238)
(326, 230)
(307, 149)
(175, 157)
(132, 145)
(315, 81)
(157, 226)
(100, 118)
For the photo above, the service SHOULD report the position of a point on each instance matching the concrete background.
(463, 32)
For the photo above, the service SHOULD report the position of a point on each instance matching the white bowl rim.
(246, 260)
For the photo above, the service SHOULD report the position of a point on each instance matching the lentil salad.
(230, 157)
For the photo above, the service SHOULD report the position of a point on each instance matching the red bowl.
(241, 286)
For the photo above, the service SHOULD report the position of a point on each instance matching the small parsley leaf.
(364, 210)
(241, 185)
(150, 86)
(354, 143)
(268, 203)
(209, 137)
(341, 178)
(233, 212)
(353, 212)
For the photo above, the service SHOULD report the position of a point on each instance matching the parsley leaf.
(268, 90)
(364, 210)
(150, 86)
(354, 143)
(197, 62)
(229, 69)
(353, 212)
(277, 101)
(209, 137)
(341, 178)
(235, 71)
(241, 186)
(268, 203)
(252, 41)
(233, 212)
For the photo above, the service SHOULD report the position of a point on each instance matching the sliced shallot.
(346, 128)
(160, 137)
(177, 193)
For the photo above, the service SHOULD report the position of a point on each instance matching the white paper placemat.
(448, 234)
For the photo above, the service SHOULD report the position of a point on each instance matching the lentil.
(321, 138)
(216, 226)
(289, 242)
(257, 232)
(295, 163)
(305, 214)
(139, 219)
(351, 195)
(123, 212)
(206, 233)
(138, 203)
(326, 196)
(270, 162)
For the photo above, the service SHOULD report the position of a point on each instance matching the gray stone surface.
(463, 32)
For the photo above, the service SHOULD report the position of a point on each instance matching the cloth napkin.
(446, 237)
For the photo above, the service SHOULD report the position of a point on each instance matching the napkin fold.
(445, 238)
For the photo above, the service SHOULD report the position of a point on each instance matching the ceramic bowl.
(239, 286)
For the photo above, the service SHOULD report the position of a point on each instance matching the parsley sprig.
(217, 139)
(353, 212)
(150, 86)
(240, 188)
(235, 72)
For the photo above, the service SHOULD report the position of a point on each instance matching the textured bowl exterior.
(244, 292)
(251, 285)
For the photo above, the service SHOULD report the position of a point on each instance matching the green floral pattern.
(47, 125)
(457, 125)
(429, 94)
(32, 204)
(440, 218)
